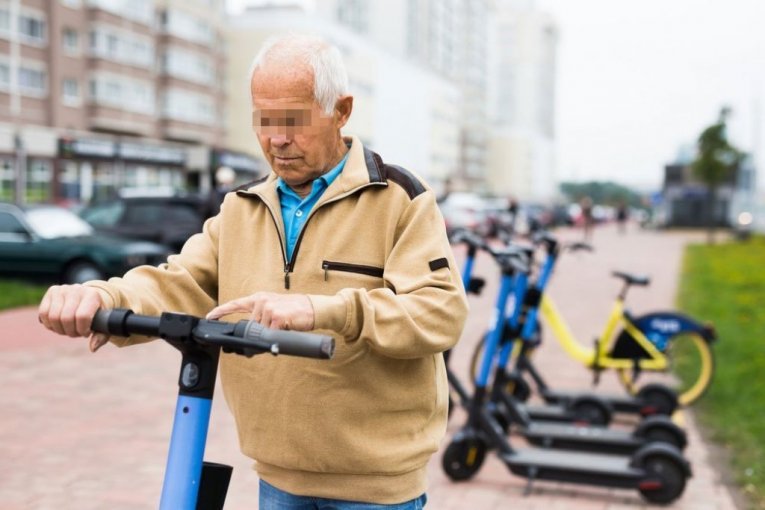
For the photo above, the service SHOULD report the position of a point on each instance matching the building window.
(32, 81)
(135, 10)
(122, 92)
(114, 44)
(39, 175)
(189, 66)
(186, 106)
(32, 29)
(73, 4)
(5, 76)
(71, 41)
(187, 27)
(71, 92)
(7, 179)
(5, 20)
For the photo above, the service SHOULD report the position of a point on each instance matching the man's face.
(299, 141)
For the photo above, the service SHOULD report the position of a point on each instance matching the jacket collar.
(363, 168)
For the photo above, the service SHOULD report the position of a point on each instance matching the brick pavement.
(82, 431)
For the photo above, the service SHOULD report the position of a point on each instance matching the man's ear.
(343, 109)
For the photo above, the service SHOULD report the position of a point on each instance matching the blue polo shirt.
(295, 210)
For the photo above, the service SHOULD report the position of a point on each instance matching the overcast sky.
(636, 79)
(639, 78)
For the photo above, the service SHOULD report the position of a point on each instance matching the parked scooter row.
(575, 445)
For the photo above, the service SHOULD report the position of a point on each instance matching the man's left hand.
(275, 311)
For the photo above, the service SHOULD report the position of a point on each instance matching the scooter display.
(657, 471)
(191, 483)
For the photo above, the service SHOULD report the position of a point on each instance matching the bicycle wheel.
(691, 361)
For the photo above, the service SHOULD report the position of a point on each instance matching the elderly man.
(335, 241)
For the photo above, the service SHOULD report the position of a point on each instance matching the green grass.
(13, 294)
(725, 284)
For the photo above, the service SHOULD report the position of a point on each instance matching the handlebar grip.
(294, 343)
(101, 322)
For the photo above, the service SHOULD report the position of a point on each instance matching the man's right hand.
(69, 310)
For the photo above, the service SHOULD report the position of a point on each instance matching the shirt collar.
(324, 180)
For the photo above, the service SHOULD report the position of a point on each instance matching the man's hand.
(69, 310)
(275, 311)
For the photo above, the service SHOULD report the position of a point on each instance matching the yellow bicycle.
(632, 346)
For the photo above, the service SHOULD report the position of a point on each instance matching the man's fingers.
(265, 316)
(241, 305)
(85, 313)
(97, 340)
(54, 312)
(42, 310)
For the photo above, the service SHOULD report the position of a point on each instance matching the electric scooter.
(509, 411)
(586, 408)
(190, 483)
(651, 399)
(657, 471)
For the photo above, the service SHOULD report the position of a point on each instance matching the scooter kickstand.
(532, 472)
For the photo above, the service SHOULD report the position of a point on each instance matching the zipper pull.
(325, 266)
(286, 278)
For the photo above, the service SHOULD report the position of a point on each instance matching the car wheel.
(81, 272)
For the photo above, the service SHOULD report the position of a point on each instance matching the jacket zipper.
(350, 268)
(282, 245)
(289, 266)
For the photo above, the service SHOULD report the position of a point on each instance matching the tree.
(716, 162)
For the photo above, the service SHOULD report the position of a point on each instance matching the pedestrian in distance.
(621, 217)
(587, 217)
(336, 241)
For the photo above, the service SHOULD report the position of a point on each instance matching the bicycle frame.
(599, 357)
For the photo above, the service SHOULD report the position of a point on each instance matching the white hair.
(330, 79)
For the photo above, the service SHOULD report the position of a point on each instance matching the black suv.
(165, 220)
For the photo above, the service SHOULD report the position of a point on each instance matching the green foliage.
(13, 294)
(601, 192)
(725, 284)
(717, 159)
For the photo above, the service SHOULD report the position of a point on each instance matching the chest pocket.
(352, 275)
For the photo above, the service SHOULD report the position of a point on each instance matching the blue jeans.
(272, 498)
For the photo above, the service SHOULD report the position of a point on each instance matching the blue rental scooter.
(190, 483)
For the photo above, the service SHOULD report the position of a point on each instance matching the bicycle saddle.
(632, 279)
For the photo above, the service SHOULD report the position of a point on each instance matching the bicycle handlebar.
(470, 238)
(244, 337)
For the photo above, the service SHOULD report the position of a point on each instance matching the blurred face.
(299, 141)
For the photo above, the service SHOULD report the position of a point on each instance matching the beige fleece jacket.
(375, 262)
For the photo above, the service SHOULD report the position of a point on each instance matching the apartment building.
(98, 95)
(523, 54)
(446, 37)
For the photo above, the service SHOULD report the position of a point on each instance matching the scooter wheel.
(592, 412)
(463, 458)
(664, 480)
(665, 435)
(657, 399)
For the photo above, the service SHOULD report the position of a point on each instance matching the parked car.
(470, 211)
(168, 220)
(50, 243)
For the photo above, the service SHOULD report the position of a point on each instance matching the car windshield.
(50, 222)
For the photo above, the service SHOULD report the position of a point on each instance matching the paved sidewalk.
(81, 431)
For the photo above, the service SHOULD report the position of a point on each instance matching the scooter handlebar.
(294, 343)
(244, 337)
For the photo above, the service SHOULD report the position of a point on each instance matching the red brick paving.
(87, 431)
